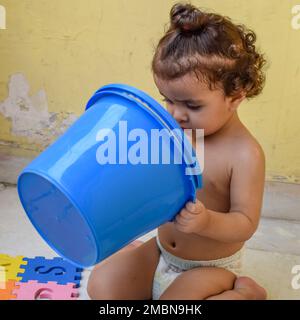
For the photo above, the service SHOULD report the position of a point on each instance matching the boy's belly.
(194, 247)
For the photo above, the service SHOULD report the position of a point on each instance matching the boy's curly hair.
(211, 46)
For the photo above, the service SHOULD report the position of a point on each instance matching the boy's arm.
(246, 196)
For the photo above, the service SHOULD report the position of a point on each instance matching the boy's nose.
(179, 115)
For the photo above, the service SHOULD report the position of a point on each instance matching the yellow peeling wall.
(63, 50)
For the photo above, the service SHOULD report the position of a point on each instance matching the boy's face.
(194, 106)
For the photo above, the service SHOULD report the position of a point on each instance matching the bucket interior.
(57, 219)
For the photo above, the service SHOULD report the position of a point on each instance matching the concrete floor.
(269, 258)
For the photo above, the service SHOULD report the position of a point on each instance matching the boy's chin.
(189, 131)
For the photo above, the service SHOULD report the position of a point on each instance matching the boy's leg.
(134, 244)
(244, 289)
(127, 274)
(199, 283)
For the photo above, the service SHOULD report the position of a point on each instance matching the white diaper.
(170, 267)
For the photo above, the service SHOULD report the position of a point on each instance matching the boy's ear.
(236, 100)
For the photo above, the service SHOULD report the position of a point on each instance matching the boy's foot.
(249, 289)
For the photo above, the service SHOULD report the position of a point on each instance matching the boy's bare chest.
(216, 175)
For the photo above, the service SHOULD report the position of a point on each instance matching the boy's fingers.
(182, 220)
(194, 207)
(179, 219)
(186, 214)
(180, 226)
(190, 206)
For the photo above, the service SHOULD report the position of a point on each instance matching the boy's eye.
(194, 107)
(167, 100)
(188, 106)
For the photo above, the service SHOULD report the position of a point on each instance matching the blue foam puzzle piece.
(56, 269)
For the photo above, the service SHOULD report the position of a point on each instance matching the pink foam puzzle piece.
(33, 290)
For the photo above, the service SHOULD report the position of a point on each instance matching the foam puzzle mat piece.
(44, 270)
(34, 290)
(6, 290)
(10, 267)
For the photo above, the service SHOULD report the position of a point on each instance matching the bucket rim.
(157, 110)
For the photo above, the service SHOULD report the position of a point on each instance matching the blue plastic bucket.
(86, 210)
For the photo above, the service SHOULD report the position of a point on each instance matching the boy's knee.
(91, 286)
(96, 288)
(103, 284)
(91, 290)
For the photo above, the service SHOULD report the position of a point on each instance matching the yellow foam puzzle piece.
(10, 267)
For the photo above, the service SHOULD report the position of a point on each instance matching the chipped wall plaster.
(29, 115)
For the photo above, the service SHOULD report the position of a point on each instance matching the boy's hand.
(193, 218)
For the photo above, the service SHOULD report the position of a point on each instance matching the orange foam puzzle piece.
(6, 290)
